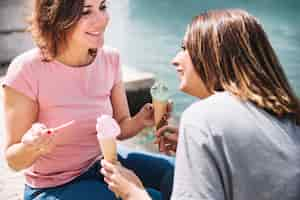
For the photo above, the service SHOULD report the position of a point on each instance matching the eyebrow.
(89, 6)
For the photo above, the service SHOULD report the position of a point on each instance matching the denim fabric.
(155, 171)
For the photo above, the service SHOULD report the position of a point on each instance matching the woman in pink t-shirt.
(52, 97)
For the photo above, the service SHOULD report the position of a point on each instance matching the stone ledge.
(136, 80)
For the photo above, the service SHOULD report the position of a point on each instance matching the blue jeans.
(155, 171)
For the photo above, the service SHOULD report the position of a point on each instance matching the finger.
(161, 145)
(29, 139)
(38, 126)
(106, 173)
(162, 130)
(36, 129)
(156, 141)
(174, 147)
(118, 163)
(112, 186)
(148, 107)
(107, 180)
(108, 166)
(167, 116)
(170, 148)
(173, 138)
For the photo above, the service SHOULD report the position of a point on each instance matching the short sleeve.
(20, 77)
(196, 171)
(118, 69)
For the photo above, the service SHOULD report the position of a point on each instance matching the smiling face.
(89, 30)
(190, 81)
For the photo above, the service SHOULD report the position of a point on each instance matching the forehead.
(93, 2)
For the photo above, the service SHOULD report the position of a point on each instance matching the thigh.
(83, 189)
(154, 194)
(151, 168)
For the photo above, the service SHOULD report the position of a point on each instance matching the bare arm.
(20, 112)
(130, 126)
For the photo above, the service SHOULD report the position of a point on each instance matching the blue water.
(148, 34)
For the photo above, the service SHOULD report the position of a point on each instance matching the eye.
(86, 12)
(183, 47)
(103, 7)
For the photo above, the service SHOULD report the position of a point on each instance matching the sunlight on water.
(149, 33)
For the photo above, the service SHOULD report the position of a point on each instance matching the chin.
(95, 44)
(182, 87)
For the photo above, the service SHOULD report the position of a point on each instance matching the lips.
(94, 33)
(179, 70)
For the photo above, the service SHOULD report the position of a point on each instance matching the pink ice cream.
(107, 127)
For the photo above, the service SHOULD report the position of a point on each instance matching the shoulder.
(110, 51)
(219, 111)
(111, 56)
(210, 107)
(28, 60)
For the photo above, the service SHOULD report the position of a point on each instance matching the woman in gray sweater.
(241, 140)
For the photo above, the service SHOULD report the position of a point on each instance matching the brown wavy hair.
(50, 23)
(231, 52)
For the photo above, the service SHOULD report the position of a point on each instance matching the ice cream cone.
(109, 149)
(160, 108)
(160, 96)
(107, 131)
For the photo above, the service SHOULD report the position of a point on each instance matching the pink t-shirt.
(63, 94)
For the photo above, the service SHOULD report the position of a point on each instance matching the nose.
(175, 61)
(101, 18)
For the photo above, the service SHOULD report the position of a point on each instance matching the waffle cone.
(160, 108)
(109, 149)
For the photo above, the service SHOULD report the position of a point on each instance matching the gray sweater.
(232, 150)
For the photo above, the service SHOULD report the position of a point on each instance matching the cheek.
(188, 79)
(78, 31)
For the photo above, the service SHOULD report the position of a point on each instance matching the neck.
(201, 93)
(74, 58)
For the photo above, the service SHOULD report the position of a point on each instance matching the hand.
(122, 181)
(39, 138)
(167, 138)
(146, 115)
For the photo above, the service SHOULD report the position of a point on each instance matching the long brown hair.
(50, 22)
(231, 51)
